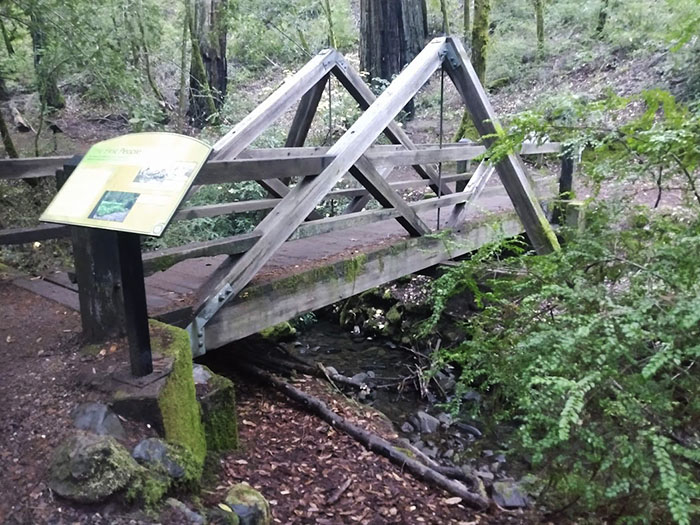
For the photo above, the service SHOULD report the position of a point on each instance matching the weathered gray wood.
(51, 291)
(274, 302)
(212, 210)
(368, 176)
(33, 234)
(353, 83)
(304, 116)
(164, 259)
(473, 190)
(359, 202)
(566, 186)
(240, 170)
(31, 168)
(510, 170)
(302, 199)
(250, 128)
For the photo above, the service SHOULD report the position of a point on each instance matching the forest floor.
(296, 460)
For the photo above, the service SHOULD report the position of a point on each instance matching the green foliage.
(593, 351)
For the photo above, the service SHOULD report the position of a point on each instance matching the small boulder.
(249, 505)
(161, 456)
(509, 495)
(98, 419)
(217, 397)
(88, 468)
(424, 422)
(280, 332)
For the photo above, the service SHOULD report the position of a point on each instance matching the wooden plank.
(304, 116)
(240, 170)
(31, 168)
(274, 302)
(473, 190)
(510, 170)
(163, 259)
(34, 233)
(357, 88)
(250, 128)
(303, 198)
(566, 185)
(379, 188)
(51, 291)
(212, 210)
(361, 200)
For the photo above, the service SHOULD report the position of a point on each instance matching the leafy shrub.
(594, 352)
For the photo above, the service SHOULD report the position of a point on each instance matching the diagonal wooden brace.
(511, 170)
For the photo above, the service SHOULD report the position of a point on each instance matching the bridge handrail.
(257, 165)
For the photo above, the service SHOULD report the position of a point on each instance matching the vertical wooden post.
(566, 182)
(99, 282)
(134, 296)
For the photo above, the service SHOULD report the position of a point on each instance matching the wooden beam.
(250, 128)
(212, 210)
(303, 198)
(33, 234)
(163, 259)
(358, 89)
(472, 191)
(31, 168)
(304, 116)
(510, 170)
(271, 303)
(379, 188)
(360, 200)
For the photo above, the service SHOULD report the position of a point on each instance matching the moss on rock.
(219, 414)
(88, 468)
(178, 404)
(279, 332)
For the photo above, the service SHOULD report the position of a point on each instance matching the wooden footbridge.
(296, 259)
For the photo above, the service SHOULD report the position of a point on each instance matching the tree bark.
(47, 81)
(392, 33)
(480, 36)
(207, 66)
(467, 27)
(211, 32)
(7, 139)
(539, 18)
(445, 17)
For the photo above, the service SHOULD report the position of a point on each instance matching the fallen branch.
(336, 495)
(370, 441)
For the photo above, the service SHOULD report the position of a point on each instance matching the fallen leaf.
(225, 507)
(453, 501)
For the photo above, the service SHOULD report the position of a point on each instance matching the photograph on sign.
(133, 183)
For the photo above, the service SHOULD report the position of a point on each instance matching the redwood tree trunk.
(208, 69)
(392, 33)
(480, 36)
(46, 75)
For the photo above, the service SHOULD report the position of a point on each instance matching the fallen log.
(319, 370)
(369, 440)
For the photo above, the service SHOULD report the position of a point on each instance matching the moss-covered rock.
(182, 422)
(279, 332)
(249, 505)
(87, 468)
(217, 398)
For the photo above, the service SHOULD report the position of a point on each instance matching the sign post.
(131, 185)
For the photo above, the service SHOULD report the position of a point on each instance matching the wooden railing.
(266, 164)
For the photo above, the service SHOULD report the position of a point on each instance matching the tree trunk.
(7, 139)
(480, 36)
(45, 73)
(391, 35)
(207, 67)
(6, 38)
(211, 31)
(467, 20)
(602, 17)
(445, 17)
(539, 17)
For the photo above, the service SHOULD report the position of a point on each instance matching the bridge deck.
(310, 273)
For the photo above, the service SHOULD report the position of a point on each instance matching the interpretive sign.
(132, 183)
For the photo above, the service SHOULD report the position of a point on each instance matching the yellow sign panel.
(132, 183)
